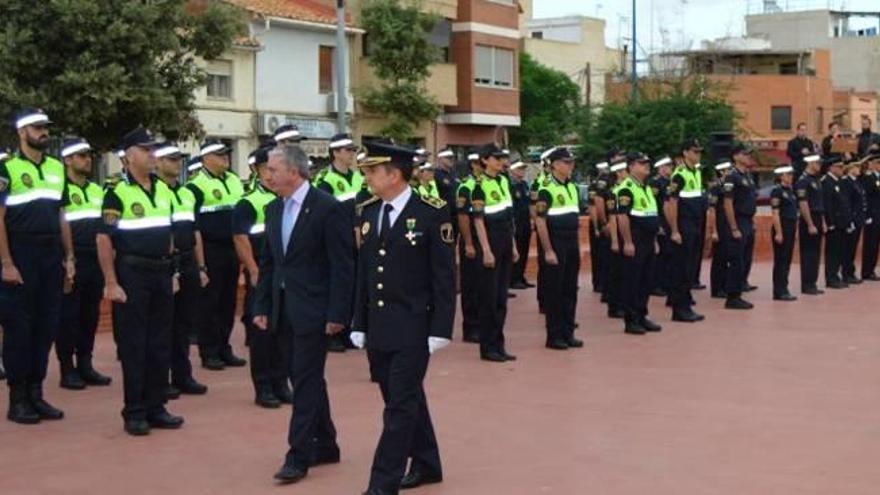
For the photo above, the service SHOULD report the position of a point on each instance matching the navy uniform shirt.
(714, 196)
(447, 184)
(519, 192)
(39, 217)
(783, 199)
(809, 189)
(150, 243)
(871, 185)
(837, 213)
(740, 187)
(856, 198)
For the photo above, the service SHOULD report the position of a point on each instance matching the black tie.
(386, 223)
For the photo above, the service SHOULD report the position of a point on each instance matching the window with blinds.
(493, 66)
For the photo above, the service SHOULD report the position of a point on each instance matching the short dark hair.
(833, 124)
(801, 124)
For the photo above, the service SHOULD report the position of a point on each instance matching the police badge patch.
(76, 199)
(496, 196)
(365, 229)
(624, 200)
(560, 199)
(111, 218)
(27, 180)
(137, 209)
(217, 194)
(446, 233)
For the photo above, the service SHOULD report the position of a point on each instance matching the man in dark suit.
(304, 290)
(404, 309)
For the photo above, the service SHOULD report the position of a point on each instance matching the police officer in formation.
(134, 249)
(36, 252)
(4, 155)
(855, 192)
(638, 223)
(599, 182)
(659, 182)
(268, 350)
(686, 206)
(871, 244)
(613, 275)
(189, 261)
(427, 183)
(718, 270)
(519, 191)
(217, 189)
(80, 306)
(467, 251)
(739, 208)
(784, 208)
(838, 220)
(811, 225)
(533, 198)
(557, 223)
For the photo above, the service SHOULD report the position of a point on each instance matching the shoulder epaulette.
(436, 203)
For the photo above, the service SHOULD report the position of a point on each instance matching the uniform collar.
(400, 201)
(25, 158)
(211, 175)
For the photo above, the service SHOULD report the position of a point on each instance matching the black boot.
(43, 408)
(282, 391)
(265, 396)
(89, 374)
(70, 379)
(2, 371)
(20, 409)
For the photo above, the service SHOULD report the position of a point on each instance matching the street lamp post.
(634, 76)
(341, 46)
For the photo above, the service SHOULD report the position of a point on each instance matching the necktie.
(386, 223)
(287, 223)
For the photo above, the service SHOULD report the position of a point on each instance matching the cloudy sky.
(678, 23)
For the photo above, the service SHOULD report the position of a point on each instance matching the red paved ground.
(780, 400)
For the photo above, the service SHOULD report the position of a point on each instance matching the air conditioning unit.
(271, 121)
(331, 103)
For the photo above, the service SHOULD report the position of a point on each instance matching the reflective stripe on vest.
(184, 205)
(138, 212)
(564, 197)
(83, 203)
(258, 199)
(693, 181)
(27, 185)
(342, 190)
(497, 195)
(644, 204)
(214, 191)
(258, 229)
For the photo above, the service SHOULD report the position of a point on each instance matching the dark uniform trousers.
(493, 286)
(144, 328)
(470, 291)
(701, 240)
(603, 258)
(542, 280)
(782, 254)
(748, 256)
(718, 270)
(737, 256)
(833, 254)
(595, 277)
(80, 310)
(809, 248)
(562, 285)
(870, 247)
(217, 309)
(186, 302)
(850, 246)
(636, 275)
(29, 313)
(682, 268)
(409, 432)
(269, 351)
(660, 279)
(311, 427)
(523, 237)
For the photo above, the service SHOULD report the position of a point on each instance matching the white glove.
(851, 229)
(435, 343)
(869, 221)
(358, 339)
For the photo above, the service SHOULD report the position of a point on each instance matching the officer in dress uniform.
(493, 218)
(217, 190)
(447, 180)
(871, 244)
(685, 208)
(658, 184)
(134, 250)
(268, 350)
(557, 222)
(852, 186)
(519, 191)
(81, 302)
(837, 218)
(739, 207)
(36, 252)
(612, 292)
(189, 259)
(718, 271)
(811, 226)
(467, 252)
(785, 216)
(406, 263)
(638, 223)
(344, 182)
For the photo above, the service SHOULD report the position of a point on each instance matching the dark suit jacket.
(405, 288)
(317, 271)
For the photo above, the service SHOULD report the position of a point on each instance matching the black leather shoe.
(750, 288)
(719, 294)
(633, 328)
(326, 456)
(137, 427)
(836, 284)
(738, 303)
(508, 356)
(290, 474)
(511, 295)
(519, 286)
(266, 398)
(282, 392)
(21, 410)
(698, 286)
(494, 357)
(812, 291)
(472, 338)
(213, 364)
(335, 344)
(687, 316)
(43, 408)
(872, 278)
(529, 284)
(231, 360)
(172, 392)
(71, 380)
(556, 344)
(165, 421)
(785, 297)
(190, 386)
(574, 343)
(650, 326)
(91, 376)
(853, 280)
(415, 478)
(616, 313)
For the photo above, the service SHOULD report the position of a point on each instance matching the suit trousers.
(407, 428)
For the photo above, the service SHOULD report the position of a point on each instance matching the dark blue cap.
(385, 153)
(259, 156)
(139, 136)
(637, 157)
(560, 153)
(31, 116)
(491, 149)
(342, 141)
(73, 146)
(288, 131)
(691, 144)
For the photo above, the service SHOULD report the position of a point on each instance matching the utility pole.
(341, 49)
(634, 76)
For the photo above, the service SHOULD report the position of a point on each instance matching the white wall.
(287, 70)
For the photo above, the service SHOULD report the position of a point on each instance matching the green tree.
(101, 67)
(400, 53)
(659, 120)
(550, 106)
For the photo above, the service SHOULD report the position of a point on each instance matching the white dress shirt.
(398, 204)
